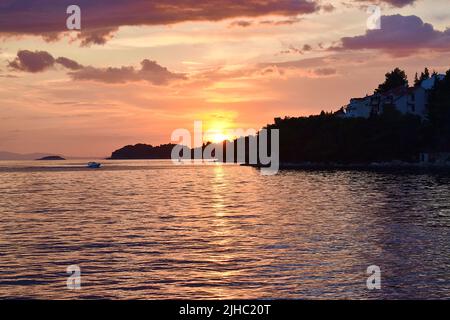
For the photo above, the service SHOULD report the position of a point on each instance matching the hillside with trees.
(385, 137)
(330, 138)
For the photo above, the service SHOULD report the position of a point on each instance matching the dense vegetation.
(385, 137)
(438, 124)
(329, 138)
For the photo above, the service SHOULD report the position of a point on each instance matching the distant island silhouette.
(146, 151)
(51, 158)
(384, 127)
(143, 151)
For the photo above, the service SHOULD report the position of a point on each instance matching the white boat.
(94, 165)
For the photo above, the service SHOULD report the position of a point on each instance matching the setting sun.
(216, 137)
(218, 125)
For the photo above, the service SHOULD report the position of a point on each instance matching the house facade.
(407, 100)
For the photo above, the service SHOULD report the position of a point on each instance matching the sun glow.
(216, 137)
(218, 126)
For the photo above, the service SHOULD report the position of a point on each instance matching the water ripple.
(150, 229)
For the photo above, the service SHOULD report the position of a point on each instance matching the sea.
(152, 229)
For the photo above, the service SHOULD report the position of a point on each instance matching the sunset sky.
(139, 69)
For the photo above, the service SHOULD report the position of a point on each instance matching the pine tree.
(425, 75)
(394, 79)
(416, 80)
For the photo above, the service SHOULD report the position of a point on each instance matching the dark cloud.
(38, 61)
(30, 61)
(150, 71)
(100, 18)
(98, 36)
(399, 35)
(68, 63)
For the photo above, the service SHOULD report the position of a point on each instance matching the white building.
(412, 100)
(362, 107)
(359, 108)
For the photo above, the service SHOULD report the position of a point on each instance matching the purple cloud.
(400, 36)
(30, 61)
(38, 61)
(100, 18)
(150, 71)
(69, 63)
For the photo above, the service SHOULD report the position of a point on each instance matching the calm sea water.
(153, 230)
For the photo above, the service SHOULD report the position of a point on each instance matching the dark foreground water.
(153, 230)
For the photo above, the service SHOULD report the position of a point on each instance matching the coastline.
(392, 165)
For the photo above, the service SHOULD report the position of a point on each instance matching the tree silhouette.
(439, 114)
(425, 75)
(394, 79)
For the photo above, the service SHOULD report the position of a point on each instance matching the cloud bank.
(33, 62)
(100, 18)
(150, 71)
(399, 36)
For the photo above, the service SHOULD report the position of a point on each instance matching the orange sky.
(239, 70)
